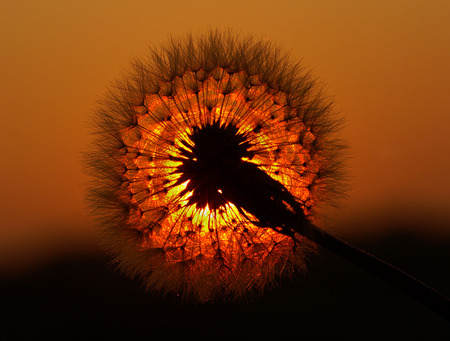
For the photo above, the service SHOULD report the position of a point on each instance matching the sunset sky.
(386, 63)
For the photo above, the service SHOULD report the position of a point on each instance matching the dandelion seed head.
(183, 142)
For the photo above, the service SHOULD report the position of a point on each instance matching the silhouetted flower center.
(214, 154)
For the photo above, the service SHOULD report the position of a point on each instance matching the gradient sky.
(387, 64)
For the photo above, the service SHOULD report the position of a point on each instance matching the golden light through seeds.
(191, 145)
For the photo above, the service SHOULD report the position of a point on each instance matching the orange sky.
(387, 63)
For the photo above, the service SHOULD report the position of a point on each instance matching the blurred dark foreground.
(83, 299)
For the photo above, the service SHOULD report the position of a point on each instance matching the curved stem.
(403, 281)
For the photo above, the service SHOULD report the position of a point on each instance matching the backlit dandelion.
(211, 158)
(193, 143)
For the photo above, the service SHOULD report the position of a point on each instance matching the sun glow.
(183, 233)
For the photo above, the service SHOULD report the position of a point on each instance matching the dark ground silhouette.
(82, 299)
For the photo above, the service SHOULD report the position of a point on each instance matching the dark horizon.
(83, 298)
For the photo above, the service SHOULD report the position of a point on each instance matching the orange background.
(387, 64)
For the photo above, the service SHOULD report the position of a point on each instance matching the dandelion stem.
(403, 281)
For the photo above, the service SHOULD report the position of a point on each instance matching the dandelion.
(211, 159)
